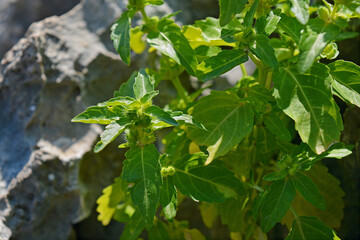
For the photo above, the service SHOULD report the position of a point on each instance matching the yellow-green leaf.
(112, 196)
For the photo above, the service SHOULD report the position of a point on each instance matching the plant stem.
(262, 76)
(143, 13)
(180, 89)
(268, 80)
(243, 69)
(261, 69)
(254, 59)
(334, 10)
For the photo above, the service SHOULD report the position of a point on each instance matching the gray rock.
(17, 15)
(50, 76)
(49, 176)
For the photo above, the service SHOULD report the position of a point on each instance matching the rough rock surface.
(49, 176)
(17, 15)
(46, 79)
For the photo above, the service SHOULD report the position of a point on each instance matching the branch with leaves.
(234, 151)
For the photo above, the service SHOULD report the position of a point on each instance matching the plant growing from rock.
(250, 154)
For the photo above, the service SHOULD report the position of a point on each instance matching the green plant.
(235, 151)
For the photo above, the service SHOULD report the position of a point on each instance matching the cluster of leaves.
(233, 150)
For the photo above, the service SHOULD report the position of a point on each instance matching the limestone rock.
(50, 76)
(17, 15)
(49, 176)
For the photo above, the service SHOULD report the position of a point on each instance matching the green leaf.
(291, 27)
(257, 204)
(112, 196)
(111, 132)
(160, 114)
(154, 2)
(308, 190)
(142, 168)
(267, 25)
(231, 213)
(276, 175)
(331, 191)
(133, 229)
(210, 28)
(265, 145)
(186, 119)
(120, 34)
(142, 84)
(337, 150)
(168, 197)
(317, 36)
(219, 64)
(249, 17)
(149, 96)
(310, 228)
(170, 41)
(176, 145)
(301, 10)
(211, 183)
(346, 35)
(116, 101)
(227, 120)
(307, 99)
(277, 127)
(209, 213)
(158, 232)
(353, 5)
(346, 80)
(264, 51)
(228, 10)
(127, 88)
(100, 114)
(276, 203)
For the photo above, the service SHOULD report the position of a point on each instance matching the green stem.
(334, 10)
(268, 80)
(143, 13)
(254, 59)
(261, 69)
(262, 76)
(180, 89)
(243, 69)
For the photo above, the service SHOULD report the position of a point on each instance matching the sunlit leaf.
(301, 10)
(112, 196)
(346, 80)
(100, 114)
(120, 34)
(226, 118)
(317, 36)
(170, 41)
(211, 183)
(111, 132)
(142, 168)
(307, 99)
(219, 64)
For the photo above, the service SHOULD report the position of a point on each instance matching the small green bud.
(171, 170)
(330, 51)
(324, 13)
